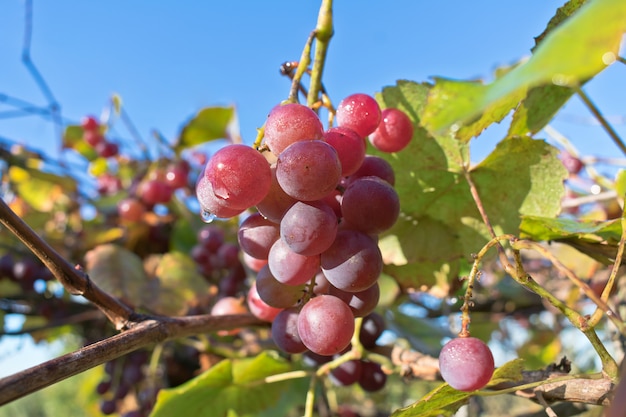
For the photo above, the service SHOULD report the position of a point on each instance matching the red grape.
(353, 262)
(276, 202)
(350, 148)
(466, 363)
(256, 236)
(309, 228)
(131, 209)
(308, 170)
(289, 267)
(289, 123)
(372, 377)
(239, 175)
(375, 166)
(285, 331)
(260, 308)
(326, 325)
(394, 131)
(359, 112)
(370, 205)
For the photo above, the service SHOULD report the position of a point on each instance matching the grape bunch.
(218, 260)
(93, 135)
(320, 203)
(126, 377)
(466, 363)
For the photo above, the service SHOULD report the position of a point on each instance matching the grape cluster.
(126, 377)
(466, 363)
(320, 204)
(93, 135)
(218, 260)
(24, 271)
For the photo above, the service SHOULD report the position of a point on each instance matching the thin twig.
(601, 119)
(74, 280)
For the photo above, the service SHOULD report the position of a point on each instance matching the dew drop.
(207, 216)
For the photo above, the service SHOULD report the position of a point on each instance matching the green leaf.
(538, 109)
(575, 51)
(562, 13)
(541, 228)
(117, 271)
(209, 124)
(445, 400)
(177, 283)
(41, 190)
(440, 225)
(232, 387)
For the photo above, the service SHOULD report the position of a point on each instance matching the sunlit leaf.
(41, 190)
(232, 386)
(117, 271)
(176, 283)
(208, 124)
(73, 139)
(576, 50)
(538, 109)
(440, 226)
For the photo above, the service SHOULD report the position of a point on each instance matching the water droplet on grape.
(207, 216)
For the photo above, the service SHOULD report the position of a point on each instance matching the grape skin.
(359, 112)
(309, 228)
(394, 131)
(289, 123)
(466, 363)
(370, 205)
(353, 263)
(326, 325)
(285, 331)
(308, 170)
(289, 267)
(256, 235)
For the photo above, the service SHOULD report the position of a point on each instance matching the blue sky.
(169, 59)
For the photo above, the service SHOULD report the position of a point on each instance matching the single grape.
(372, 377)
(394, 131)
(211, 203)
(226, 306)
(372, 327)
(350, 148)
(362, 302)
(256, 235)
(253, 263)
(155, 191)
(308, 170)
(239, 175)
(274, 292)
(108, 407)
(353, 263)
(309, 228)
(90, 123)
(289, 123)
(211, 237)
(285, 331)
(573, 164)
(370, 205)
(131, 209)
(260, 308)
(93, 137)
(359, 112)
(289, 267)
(176, 174)
(347, 373)
(466, 363)
(374, 166)
(276, 202)
(106, 149)
(326, 325)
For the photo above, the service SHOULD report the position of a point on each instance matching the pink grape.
(289, 267)
(239, 175)
(359, 112)
(212, 203)
(276, 202)
(375, 166)
(394, 131)
(256, 235)
(274, 292)
(285, 331)
(350, 148)
(308, 170)
(361, 303)
(326, 325)
(370, 205)
(466, 363)
(353, 263)
(289, 123)
(309, 228)
(260, 308)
